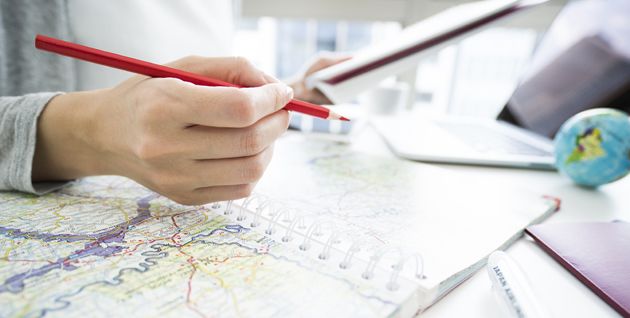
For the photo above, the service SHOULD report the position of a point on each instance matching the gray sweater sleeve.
(18, 130)
(24, 73)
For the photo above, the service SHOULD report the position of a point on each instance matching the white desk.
(562, 294)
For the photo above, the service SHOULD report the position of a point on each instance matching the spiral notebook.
(399, 235)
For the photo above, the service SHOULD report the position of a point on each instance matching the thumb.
(268, 99)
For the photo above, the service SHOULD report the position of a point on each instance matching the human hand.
(193, 144)
(319, 63)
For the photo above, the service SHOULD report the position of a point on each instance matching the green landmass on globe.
(588, 146)
(592, 147)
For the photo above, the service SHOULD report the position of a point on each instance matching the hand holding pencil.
(126, 63)
(194, 144)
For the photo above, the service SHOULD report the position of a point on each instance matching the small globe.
(593, 147)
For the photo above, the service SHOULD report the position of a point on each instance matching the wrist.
(66, 146)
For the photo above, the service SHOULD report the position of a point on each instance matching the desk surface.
(560, 292)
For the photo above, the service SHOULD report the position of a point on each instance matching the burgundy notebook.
(598, 254)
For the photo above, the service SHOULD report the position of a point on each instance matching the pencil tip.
(344, 118)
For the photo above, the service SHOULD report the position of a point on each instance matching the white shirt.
(157, 31)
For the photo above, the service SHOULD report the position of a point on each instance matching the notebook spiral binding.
(297, 226)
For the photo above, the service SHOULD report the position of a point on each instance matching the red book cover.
(598, 254)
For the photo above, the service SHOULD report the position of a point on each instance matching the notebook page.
(396, 207)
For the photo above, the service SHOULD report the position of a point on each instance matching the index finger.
(235, 70)
(232, 107)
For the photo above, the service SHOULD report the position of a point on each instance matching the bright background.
(474, 77)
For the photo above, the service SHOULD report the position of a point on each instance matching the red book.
(598, 254)
(366, 69)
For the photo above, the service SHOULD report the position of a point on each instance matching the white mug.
(387, 99)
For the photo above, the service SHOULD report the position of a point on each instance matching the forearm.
(18, 128)
(190, 143)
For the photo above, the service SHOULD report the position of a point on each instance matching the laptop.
(594, 71)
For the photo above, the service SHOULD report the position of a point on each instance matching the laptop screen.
(583, 62)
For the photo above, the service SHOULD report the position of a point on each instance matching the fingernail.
(289, 92)
(290, 117)
(270, 79)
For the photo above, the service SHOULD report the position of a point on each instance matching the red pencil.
(126, 63)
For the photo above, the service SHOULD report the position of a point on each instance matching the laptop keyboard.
(487, 140)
